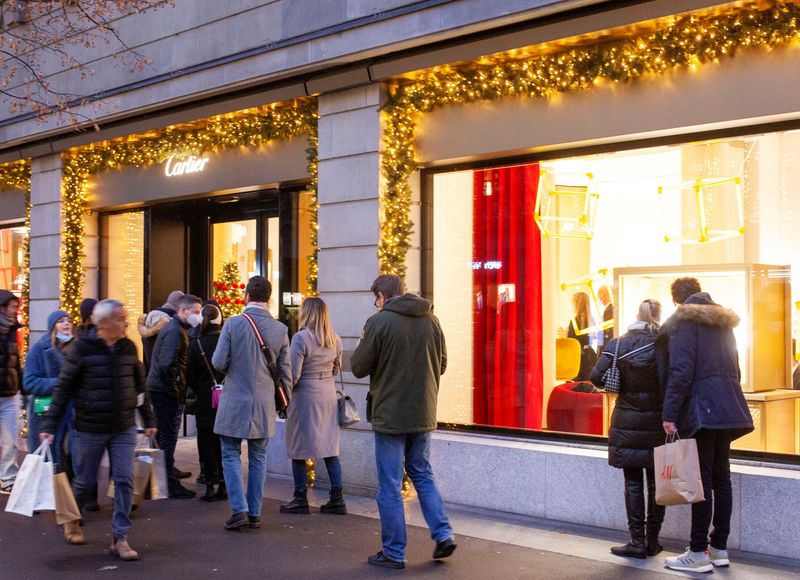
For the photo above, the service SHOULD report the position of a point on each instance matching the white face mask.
(62, 338)
(194, 319)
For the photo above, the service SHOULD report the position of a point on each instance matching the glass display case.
(759, 294)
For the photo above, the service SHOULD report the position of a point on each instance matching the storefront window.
(122, 264)
(527, 256)
(12, 239)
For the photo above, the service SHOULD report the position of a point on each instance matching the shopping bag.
(66, 506)
(677, 469)
(158, 471)
(25, 498)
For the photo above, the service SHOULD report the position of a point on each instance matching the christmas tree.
(228, 291)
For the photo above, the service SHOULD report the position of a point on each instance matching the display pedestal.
(776, 415)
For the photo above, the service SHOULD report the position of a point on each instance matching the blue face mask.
(63, 338)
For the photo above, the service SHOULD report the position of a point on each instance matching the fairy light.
(249, 128)
(689, 41)
(17, 175)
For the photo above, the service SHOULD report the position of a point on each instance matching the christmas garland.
(17, 175)
(687, 41)
(246, 129)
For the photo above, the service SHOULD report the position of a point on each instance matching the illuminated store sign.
(191, 165)
(489, 265)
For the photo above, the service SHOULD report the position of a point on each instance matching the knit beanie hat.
(86, 307)
(55, 316)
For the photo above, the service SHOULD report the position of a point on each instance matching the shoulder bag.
(216, 388)
(611, 378)
(281, 396)
(348, 412)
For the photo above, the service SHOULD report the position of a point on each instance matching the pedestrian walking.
(636, 426)
(704, 400)
(42, 367)
(201, 377)
(402, 349)
(166, 382)
(10, 373)
(312, 426)
(247, 407)
(103, 377)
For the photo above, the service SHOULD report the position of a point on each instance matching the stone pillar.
(45, 241)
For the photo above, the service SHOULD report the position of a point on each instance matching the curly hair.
(682, 288)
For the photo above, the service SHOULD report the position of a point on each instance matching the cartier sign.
(190, 165)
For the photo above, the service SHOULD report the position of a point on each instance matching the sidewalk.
(185, 539)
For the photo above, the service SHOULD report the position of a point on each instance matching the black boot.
(655, 516)
(634, 506)
(298, 505)
(336, 504)
(222, 491)
(210, 495)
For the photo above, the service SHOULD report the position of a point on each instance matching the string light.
(249, 128)
(689, 41)
(17, 175)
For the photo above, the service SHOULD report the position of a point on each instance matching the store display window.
(12, 275)
(534, 267)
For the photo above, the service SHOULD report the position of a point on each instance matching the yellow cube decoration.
(566, 205)
(704, 190)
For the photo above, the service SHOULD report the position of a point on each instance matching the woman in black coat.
(636, 427)
(201, 381)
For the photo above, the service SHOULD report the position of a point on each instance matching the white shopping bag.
(33, 487)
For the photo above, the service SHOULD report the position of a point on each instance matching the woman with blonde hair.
(636, 426)
(312, 427)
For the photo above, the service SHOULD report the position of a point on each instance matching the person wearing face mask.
(166, 382)
(42, 367)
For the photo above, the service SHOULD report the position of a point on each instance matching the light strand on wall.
(249, 128)
(688, 41)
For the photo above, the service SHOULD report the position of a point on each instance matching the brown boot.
(120, 547)
(73, 532)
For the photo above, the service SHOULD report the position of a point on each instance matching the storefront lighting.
(702, 187)
(487, 184)
(566, 205)
(691, 41)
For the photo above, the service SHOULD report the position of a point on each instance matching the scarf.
(5, 323)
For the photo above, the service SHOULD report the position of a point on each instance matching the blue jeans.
(256, 474)
(392, 452)
(332, 464)
(88, 451)
(9, 412)
(169, 412)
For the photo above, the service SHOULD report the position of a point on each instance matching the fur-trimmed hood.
(700, 309)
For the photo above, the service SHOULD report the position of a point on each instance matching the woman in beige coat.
(312, 427)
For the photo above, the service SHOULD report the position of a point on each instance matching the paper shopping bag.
(25, 494)
(141, 479)
(677, 469)
(158, 472)
(66, 506)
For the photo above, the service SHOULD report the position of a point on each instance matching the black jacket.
(636, 421)
(104, 383)
(703, 389)
(167, 372)
(10, 371)
(198, 377)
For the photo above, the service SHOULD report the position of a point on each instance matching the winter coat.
(199, 379)
(703, 389)
(105, 384)
(42, 367)
(247, 405)
(312, 427)
(10, 370)
(403, 351)
(636, 421)
(149, 325)
(167, 373)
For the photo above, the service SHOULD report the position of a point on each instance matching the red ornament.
(241, 286)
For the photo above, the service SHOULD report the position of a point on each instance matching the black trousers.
(210, 453)
(642, 526)
(714, 449)
(169, 412)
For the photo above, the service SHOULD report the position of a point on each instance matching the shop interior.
(518, 251)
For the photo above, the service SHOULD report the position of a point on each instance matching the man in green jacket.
(402, 350)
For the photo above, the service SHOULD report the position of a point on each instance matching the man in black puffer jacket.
(104, 378)
(636, 426)
(9, 387)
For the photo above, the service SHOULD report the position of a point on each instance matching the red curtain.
(507, 308)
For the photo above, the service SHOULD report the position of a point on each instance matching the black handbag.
(281, 394)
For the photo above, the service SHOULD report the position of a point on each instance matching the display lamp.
(704, 189)
(566, 205)
(588, 284)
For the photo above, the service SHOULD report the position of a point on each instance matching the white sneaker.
(690, 562)
(718, 557)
